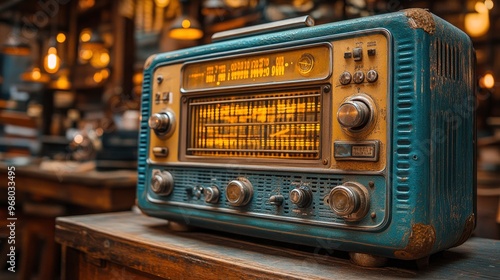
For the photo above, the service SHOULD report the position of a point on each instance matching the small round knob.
(359, 77)
(372, 76)
(162, 183)
(353, 114)
(349, 200)
(211, 194)
(159, 122)
(239, 192)
(302, 197)
(345, 78)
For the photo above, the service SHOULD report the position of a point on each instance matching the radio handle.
(286, 24)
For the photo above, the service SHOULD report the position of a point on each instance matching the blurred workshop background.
(70, 87)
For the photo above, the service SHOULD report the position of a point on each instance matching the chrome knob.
(159, 122)
(349, 200)
(353, 114)
(302, 197)
(211, 194)
(239, 192)
(162, 183)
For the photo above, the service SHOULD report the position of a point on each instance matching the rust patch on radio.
(422, 238)
(470, 224)
(420, 18)
(148, 62)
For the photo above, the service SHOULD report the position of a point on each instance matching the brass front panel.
(378, 91)
(284, 123)
(165, 96)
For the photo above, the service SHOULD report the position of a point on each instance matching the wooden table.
(100, 191)
(42, 195)
(129, 245)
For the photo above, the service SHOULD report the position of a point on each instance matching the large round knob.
(239, 192)
(349, 200)
(162, 183)
(160, 122)
(302, 197)
(353, 114)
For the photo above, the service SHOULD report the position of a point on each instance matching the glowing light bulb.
(51, 62)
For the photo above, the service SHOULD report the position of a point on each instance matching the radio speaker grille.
(271, 125)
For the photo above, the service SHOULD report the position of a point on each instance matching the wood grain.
(136, 245)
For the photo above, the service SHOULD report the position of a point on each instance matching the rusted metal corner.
(420, 18)
(421, 241)
(469, 226)
(149, 61)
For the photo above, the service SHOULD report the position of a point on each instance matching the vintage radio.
(355, 136)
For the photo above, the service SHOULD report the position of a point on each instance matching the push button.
(357, 54)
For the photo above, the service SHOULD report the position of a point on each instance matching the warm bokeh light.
(78, 139)
(186, 23)
(86, 54)
(186, 34)
(105, 73)
(61, 38)
(487, 81)
(36, 74)
(100, 58)
(480, 7)
(477, 24)
(162, 3)
(489, 4)
(97, 77)
(85, 35)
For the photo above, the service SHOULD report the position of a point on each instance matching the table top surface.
(98, 190)
(147, 244)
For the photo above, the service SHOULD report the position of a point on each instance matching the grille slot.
(448, 59)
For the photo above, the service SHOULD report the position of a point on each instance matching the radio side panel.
(452, 142)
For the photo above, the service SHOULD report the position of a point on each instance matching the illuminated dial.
(306, 63)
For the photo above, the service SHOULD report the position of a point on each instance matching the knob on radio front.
(302, 197)
(161, 123)
(353, 114)
(239, 192)
(349, 200)
(162, 183)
